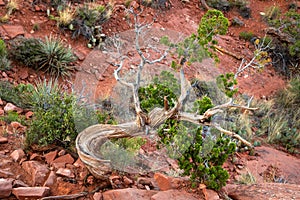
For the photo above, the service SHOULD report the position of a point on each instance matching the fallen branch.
(228, 52)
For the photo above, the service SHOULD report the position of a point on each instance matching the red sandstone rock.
(31, 192)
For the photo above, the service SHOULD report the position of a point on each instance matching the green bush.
(50, 55)
(246, 35)
(4, 61)
(59, 116)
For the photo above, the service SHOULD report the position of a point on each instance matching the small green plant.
(36, 27)
(246, 35)
(247, 178)
(50, 55)
(13, 116)
(19, 95)
(4, 61)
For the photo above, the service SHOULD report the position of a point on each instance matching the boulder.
(270, 191)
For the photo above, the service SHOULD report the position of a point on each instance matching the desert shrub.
(200, 155)
(50, 55)
(280, 121)
(59, 116)
(246, 35)
(4, 61)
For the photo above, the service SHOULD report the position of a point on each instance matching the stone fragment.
(35, 156)
(50, 180)
(128, 194)
(66, 159)
(237, 22)
(19, 183)
(13, 30)
(79, 164)
(3, 140)
(2, 3)
(97, 196)
(61, 152)
(174, 195)
(16, 125)
(17, 155)
(127, 180)
(65, 172)
(29, 114)
(5, 187)
(37, 170)
(1, 112)
(31, 192)
(11, 107)
(163, 181)
(49, 157)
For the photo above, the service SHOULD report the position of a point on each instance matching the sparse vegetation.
(246, 35)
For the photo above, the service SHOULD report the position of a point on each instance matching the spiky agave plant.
(53, 57)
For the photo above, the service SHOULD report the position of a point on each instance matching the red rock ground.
(182, 17)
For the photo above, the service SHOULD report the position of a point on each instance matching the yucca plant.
(53, 57)
(50, 55)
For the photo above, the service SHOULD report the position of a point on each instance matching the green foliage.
(207, 169)
(59, 116)
(226, 83)
(202, 105)
(24, 50)
(245, 35)
(211, 24)
(13, 116)
(53, 121)
(19, 95)
(200, 158)
(4, 61)
(153, 95)
(50, 55)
